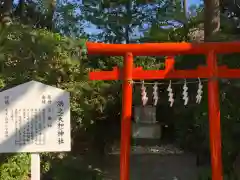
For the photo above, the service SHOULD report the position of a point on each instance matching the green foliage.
(15, 167)
(30, 54)
(71, 168)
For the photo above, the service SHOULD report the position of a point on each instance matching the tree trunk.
(6, 11)
(185, 22)
(20, 9)
(127, 26)
(211, 20)
(52, 9)
(185, 9)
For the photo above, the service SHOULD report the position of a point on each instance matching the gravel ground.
(154, 163)
(161, 150)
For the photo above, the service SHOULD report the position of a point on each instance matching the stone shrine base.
(155, 163)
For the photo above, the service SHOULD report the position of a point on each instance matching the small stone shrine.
(145, 125)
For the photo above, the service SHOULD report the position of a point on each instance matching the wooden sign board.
(34, 118)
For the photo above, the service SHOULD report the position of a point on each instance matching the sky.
(193, 2)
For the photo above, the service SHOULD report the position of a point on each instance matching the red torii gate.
(212, 71)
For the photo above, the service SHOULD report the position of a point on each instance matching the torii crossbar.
(211, 71)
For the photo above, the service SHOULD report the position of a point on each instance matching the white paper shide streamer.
(170, 94)
(144, 94)
(185, 93)
(199, 92)
(155, 93)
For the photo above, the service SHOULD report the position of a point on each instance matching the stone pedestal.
(146, 131)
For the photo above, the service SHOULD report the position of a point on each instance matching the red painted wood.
(214, 118)
(155, 49)
(140, 74)
(211, 71)
(126, 117)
